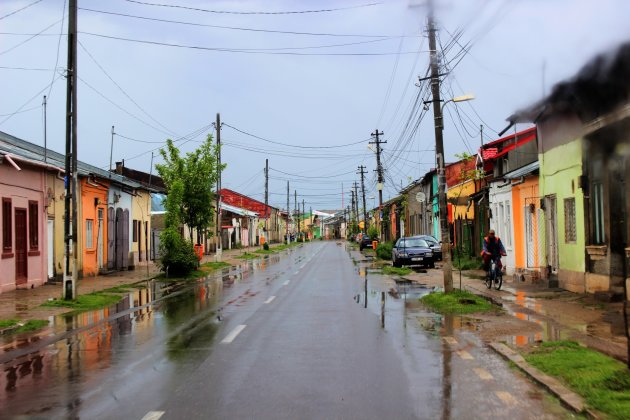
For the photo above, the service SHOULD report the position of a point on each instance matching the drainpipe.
(8, 158)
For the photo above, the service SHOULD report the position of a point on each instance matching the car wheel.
(396, 264)
(432, 264)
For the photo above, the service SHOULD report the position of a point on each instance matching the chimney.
(119, 167)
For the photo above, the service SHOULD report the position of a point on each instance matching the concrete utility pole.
(439, 151)
(288, 213)
(303, 214)
(266, 197)
(44, 103)
(219, 229)
(70, 237)
(353, 211)
(356, 202)
(362, 171)
(295, 207)
(379, 172)
(481, 134)
(111, 152)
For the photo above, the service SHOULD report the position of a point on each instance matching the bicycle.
(494, 275)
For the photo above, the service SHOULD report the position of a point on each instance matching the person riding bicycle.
(492, 249)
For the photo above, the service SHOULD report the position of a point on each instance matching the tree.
(197, 172)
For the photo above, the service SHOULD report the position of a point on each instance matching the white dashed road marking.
(483, 374)
(506, 397)
(286, 283)
(450, 340)
(231, 336)
(465, 355)
(270, 299)
(153, 415)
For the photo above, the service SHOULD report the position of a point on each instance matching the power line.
(63, 16)
(293, 145)
(230, 12)
(24, 68)
(124, 92)
(8, 116)
(239, 28)
(19, 10)
(30, 38)
(317, 177)
(241, 51)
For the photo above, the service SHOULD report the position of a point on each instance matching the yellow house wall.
(141, 211)
(462, 190)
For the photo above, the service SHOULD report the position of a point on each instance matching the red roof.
(489, 153)
(239, 200)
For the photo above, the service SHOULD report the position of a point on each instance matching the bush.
(238, 245)
(178, 255)
(373, 233)
(384, 250)
(266, 246)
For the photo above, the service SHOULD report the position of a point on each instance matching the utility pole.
(303, 215)
(356, 202)
(266, 197)
(439, 151)
(362, 171)
(45, 131)
(111, 152)
(295, 209)
(70, 238)
(352, 212)
(219, 229)
(151, 169)
(481, 134)
(379, 172)
(288, 213)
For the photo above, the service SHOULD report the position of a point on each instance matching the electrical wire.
(63, 16)
(242, 51)
(30, 38)
(293, 145)
(24, 68)
(293, 12)
(9, 116)
(124, 92)
(238, 28)
(20, 9)
(317, 177)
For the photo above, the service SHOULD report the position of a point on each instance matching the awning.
(523, 171)
(238, 210)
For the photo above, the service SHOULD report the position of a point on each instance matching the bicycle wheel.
(489, 280)
(498, 281)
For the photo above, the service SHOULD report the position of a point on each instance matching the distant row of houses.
(120, 216)
(556, 193)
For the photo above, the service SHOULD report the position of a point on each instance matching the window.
(33, 225)
(597, 200)
(7, 228)
(570, 233)
(499, 230)
(134, 232)
(89, 233)
(508, 224)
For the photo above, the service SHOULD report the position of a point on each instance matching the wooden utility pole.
(288, 213)
(447, 267)
(362, 172)
(70, 231)
(379, 172)
(219, 229)
(267, 198)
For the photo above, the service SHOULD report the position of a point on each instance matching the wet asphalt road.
(289, 336)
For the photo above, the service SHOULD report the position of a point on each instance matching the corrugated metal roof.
(19, 147)
(522, 171)
(238, 210)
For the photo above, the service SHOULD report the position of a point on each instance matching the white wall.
(502, 220)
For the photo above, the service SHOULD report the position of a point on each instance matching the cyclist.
(492, 248)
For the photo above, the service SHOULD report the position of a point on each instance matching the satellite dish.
(420, 197)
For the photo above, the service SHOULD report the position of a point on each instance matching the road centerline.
(233, 334)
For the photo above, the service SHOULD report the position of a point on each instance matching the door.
(529, 236)
(51, 248)
(99, 240)
(21, 261)
(552, 233)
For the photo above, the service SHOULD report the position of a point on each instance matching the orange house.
(93, 226)
(528, 217)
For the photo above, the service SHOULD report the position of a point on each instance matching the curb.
(568, 398)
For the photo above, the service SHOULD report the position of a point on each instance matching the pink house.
(23, 221)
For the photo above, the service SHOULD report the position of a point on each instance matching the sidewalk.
(25, 304)
(559, 314)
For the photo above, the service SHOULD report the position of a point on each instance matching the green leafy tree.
(197, 172)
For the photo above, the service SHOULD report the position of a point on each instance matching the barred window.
(570, 231)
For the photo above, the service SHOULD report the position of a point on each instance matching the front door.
(552, 233)
(51, 248)
(21, 261)
(99, 240)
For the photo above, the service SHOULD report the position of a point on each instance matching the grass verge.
(211, 266)
(465, 262)
(603, 381)
(400, 271)
(90, 301)
(248, 256)
(30, 325)
(456, 302)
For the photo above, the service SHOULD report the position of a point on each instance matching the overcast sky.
(321, 89)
